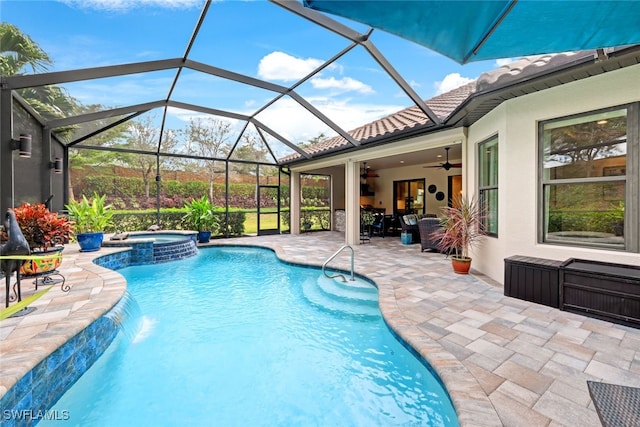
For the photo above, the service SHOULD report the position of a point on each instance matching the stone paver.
(504, 361)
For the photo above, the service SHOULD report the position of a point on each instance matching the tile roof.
(445, 105)
(527, 66)
(409, 118)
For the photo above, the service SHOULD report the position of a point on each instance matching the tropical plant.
(19, 52)
(200, 214)
(90, 216)
(461, 227)
(367, 218)
(41, 228)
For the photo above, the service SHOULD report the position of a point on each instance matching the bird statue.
(16, 245)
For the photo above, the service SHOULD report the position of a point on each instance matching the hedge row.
(598, 221)
(128, 192)
(134, 187)
(140, 221)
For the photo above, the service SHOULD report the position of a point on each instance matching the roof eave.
(583, 67)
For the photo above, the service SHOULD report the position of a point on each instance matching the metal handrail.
(335, 255)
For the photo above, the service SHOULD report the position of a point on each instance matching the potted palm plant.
(91, 218)
(200, 217)
(46, 233)
(461, 228)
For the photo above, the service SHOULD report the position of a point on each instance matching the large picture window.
(488, 184)
(585, 179)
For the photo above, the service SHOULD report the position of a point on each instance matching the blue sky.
(255, 38)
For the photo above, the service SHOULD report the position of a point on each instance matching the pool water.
(234, 337)
(159, 237)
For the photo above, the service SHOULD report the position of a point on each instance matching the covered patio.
(503, 360)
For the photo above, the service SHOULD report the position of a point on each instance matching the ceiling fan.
(446, 165)
(366, 173)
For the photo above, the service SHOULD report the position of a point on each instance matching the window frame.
(631, 178)
(484, 187)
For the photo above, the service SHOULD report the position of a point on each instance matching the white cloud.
(346, 84)
(294, 123)
(504, 61)
(283, 67)
(125, 5)
(450, 82)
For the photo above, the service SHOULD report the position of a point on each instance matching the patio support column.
(6, 153)
(46, 184)
(294, 206)
(352, 205)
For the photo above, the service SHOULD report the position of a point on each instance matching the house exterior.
(549, 144)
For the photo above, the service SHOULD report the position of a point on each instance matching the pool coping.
(59, 316)
(95, 290)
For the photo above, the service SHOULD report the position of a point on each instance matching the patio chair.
(377, 228)
(426, 227)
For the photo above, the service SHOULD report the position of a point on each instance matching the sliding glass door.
(408, 197)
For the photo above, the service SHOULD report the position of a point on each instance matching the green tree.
(18, 52)
(209, 139)
(250, 149)
(142, 135)
(313, 141)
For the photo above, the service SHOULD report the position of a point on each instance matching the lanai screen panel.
(356, 91)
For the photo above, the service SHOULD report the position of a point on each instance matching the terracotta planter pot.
(461, 265)
(47, 261)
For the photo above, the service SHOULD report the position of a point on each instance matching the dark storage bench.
(532, 279)
(603, 290)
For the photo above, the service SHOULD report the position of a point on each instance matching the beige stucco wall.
(515, 122)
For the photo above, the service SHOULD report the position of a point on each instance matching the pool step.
(354, 291)
(333, 297)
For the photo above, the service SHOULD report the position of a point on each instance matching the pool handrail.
(335, 255)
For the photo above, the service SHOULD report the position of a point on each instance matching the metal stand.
(365, 236)
(50, 278)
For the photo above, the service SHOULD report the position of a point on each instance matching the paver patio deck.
(504, 361)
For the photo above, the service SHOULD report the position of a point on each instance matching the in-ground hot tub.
(154, 247)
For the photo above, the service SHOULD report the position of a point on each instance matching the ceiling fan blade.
(434, 166)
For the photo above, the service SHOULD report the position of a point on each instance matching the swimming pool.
(235, 337)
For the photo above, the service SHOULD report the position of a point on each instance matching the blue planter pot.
(406, 238)
(204, 236)
(90, 242)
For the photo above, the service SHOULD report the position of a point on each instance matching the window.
(586, 179)
(488, 184)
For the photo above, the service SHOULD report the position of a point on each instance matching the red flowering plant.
(41, 228)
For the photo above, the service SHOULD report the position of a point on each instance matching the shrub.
(41, 228)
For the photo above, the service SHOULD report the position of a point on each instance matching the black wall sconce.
(56, 165)
(23, 144)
